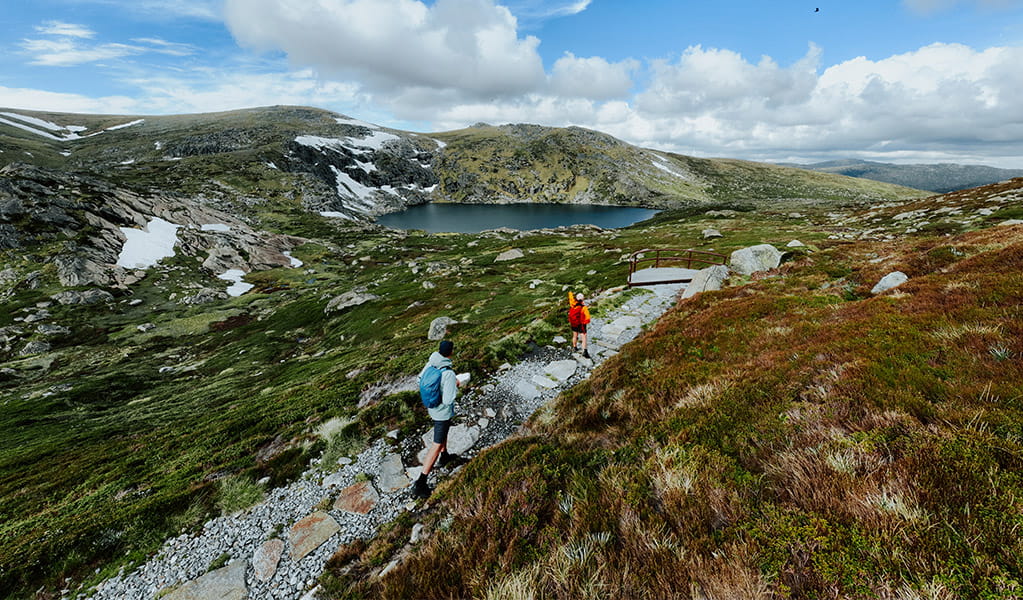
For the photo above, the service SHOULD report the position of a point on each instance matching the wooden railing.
(671, 257)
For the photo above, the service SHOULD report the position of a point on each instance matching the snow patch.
(215, 227)
(33, 125)
(239, 287)
(295, 263)
(123, 125)
(668, 169)
(127, 162)
(346, 186)
(159, 145)
(24, 127)
(440, 145)
(146, 247)
(34, 121)
(375, 140)
(334, 215)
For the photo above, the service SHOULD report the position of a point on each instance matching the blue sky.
(896, 80)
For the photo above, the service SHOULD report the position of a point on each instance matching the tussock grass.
(777, 440)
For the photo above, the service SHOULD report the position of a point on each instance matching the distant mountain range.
(941, 178)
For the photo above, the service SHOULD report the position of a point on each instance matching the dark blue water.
(473, 218)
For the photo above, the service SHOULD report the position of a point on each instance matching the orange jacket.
(585, 312)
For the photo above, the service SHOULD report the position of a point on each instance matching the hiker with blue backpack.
(438, 386)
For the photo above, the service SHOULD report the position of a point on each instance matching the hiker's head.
(446, 348)
(579, 297)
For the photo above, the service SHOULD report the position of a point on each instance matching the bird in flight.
(817, 10)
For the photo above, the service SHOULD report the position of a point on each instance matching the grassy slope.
(793, 437)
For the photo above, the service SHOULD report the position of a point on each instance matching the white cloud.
(546, 9)
(212, 90)
(592, 77)
(202, 91)
(169, 48)
(722, 80)
(467, 45)
(942, 102)
(73, 103)
(66, 52)
(69, 46)
(60, 28)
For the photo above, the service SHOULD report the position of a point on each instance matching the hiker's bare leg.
(431, 457)
(583, 335)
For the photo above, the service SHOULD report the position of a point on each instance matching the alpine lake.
(474, 218)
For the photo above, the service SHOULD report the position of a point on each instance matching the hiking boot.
(450, 460)
(586, 353)
(420, 489)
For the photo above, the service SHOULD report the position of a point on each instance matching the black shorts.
(579, 328)
(440, 431)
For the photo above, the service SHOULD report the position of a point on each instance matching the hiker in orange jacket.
(578, 319)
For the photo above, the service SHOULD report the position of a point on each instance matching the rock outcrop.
(890, 281)
(747, 261)
(40, 206)
(706, 280)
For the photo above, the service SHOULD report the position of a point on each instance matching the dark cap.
(446, 348)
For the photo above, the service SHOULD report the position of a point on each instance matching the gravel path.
(278, 549)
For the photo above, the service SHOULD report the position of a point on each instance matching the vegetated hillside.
(940, 178)
(790, 436)
(510, 163)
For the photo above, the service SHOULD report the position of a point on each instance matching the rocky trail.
(278, 548)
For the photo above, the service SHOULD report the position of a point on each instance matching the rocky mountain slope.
(939, 178)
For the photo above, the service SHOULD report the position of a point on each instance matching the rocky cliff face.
(364, 174)
(82, 219)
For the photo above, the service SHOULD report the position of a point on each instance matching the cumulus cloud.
(592, 77)
(941, 102)
(722, 80)
(467, 45)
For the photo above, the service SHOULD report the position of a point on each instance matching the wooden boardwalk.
(657, 275)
